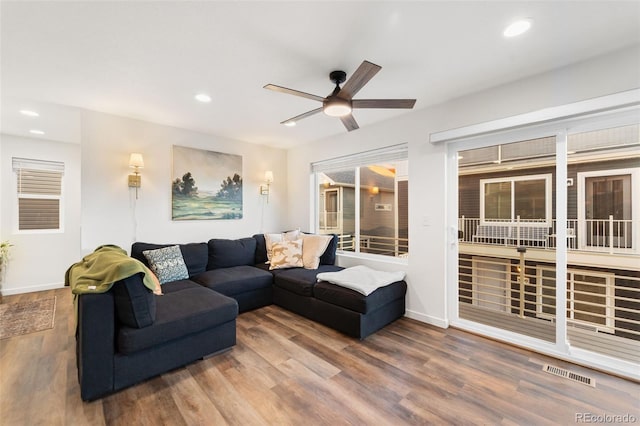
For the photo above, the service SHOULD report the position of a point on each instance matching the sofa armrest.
(95, 344)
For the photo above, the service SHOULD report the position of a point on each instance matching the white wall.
(110, 212)
(426, 300)
(38, 260)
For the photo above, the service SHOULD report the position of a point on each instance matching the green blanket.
(97, 272)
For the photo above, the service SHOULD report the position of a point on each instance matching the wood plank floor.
(287, 370)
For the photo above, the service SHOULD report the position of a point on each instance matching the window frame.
(609, 111)
(548, 179)
(392, 154)
(20, 164)
(634, 202)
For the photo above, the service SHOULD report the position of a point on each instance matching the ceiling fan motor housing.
(333, 105)
(338, 77)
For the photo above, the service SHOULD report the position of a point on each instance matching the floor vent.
(557, 371)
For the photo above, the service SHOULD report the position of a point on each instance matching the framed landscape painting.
(205, 185)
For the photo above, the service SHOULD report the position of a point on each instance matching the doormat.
(21, 318)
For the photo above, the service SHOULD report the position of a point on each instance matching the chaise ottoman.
(355, 314)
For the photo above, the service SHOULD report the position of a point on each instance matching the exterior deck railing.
(602, 235)
(386, 246)
(602, 307)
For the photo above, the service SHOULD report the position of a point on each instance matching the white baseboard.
(30, 289)
(438, 322)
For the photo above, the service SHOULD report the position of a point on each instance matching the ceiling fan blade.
(293, 92)
(349, 122)
(383, 103)
(358, 79)
(301, 116)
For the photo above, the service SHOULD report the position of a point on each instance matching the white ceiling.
(147, 60)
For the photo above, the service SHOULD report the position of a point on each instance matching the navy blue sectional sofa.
(128, 334)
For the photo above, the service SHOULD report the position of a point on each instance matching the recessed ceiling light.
(36, 132)
(290, 123)
(518, 27)
(29, 113)
(203, 97)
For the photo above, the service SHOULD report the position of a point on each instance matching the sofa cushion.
(179, 286)
(195, 255)
(179, 314)
(135, 304)
(167, 263)
(286, 254)
(228, 253)
(329, 255)
(235, 280)
(355, 301)
(301, 281)
(261, 249)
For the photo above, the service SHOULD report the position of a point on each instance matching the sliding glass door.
(505, 200)
(549, 217)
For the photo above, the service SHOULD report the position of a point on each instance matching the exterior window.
(606, 214)
(39, 194)
(497, 201)
(509, 199)
(365, 202)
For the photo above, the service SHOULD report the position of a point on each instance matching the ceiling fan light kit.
(334, 106)
(340, 102)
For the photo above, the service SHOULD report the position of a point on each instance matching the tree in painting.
(231, 188)
(185, 186)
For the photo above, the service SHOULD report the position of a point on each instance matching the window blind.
(382, 155)
(39, 189)
(38, 213)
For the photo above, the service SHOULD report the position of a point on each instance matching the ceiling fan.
(340, 102)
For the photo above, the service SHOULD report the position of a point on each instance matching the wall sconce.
(136, 163)
(265, 188)
(375, 190)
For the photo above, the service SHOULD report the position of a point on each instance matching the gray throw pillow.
(167, 263)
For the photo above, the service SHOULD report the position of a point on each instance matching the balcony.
(597, 243)
(594, 235)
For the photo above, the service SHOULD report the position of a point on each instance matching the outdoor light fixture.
(136, 163)
(266, 187)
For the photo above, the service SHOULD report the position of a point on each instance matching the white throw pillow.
(313, 248)
(286, 254)
(270, 239)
